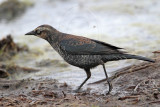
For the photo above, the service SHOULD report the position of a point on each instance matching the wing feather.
(78, 45)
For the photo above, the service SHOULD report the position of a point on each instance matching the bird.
(83, 52)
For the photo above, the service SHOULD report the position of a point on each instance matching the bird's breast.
(82, 61)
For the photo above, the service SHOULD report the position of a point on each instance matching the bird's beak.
(31, 33)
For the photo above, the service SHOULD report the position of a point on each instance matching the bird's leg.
(110, 85)
(88, 72)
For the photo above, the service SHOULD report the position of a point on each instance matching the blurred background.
(131, 24)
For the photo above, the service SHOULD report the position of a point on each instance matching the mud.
(137, 85)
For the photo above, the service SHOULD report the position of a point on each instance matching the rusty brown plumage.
(80, 40)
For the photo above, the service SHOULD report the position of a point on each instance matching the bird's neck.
(54, 40)
(53, 37)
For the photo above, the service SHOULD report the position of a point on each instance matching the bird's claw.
(76, 91)
(108, 93)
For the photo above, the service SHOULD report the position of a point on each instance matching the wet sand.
(136, 85)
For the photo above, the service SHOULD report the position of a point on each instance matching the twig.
(127, 97)
(135, 89)
(123, 71)
(151, 102)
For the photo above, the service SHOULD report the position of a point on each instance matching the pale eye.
(38, 32)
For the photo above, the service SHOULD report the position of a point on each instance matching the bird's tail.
(126, 56)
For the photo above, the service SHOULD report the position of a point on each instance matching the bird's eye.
(38, 32)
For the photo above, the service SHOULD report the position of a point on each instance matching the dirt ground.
(137, 85)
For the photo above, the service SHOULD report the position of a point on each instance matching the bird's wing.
(77, 45)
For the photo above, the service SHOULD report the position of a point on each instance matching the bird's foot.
(76, 91)
(110, 88)
(108, 93)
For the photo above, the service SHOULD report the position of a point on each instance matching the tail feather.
(128, 56)
(125, 56)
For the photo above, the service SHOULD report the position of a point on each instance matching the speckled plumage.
(82, 61)
(81, 51)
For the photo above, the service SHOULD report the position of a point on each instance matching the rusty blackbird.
(83, 52)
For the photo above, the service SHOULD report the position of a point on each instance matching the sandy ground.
(137, 85)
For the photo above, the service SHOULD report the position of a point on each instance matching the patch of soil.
(134, 86)
(43, 93)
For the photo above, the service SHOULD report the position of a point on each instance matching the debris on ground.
(8, 48)
(3, 73)
(133, 86)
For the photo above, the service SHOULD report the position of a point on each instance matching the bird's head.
(43, 31)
